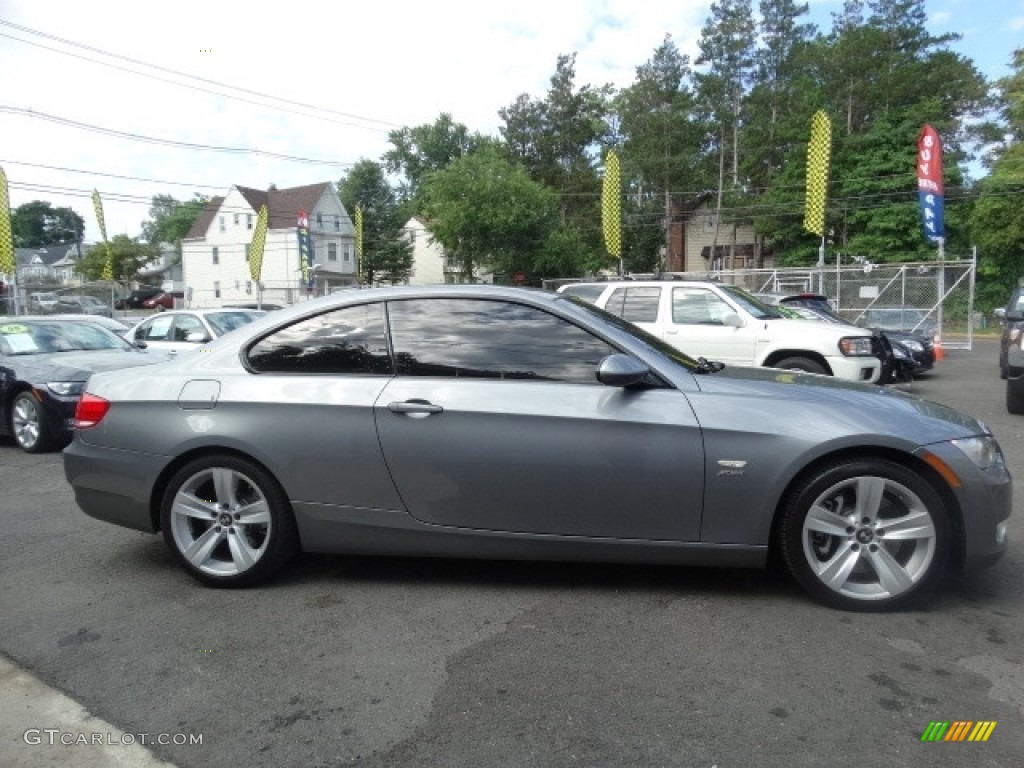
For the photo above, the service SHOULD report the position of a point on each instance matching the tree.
(486, 211)
(387, 256)
(417, 152)
(128, 256)
(998, 218)
(38, 223)
(170, 219)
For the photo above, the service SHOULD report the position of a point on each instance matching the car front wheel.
(805, 364)
(228, 521)
(28, 424)
(864, 534)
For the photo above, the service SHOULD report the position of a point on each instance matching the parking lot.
(419, 662)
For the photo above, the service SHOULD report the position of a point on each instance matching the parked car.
(910, 319)
(134, 299)
(500, 422)
(83, 304)
(727, 324)
(42, 303)
(1011, 317)
(110, 323)
(918, 348)
(183, 330)
(44, 364)
(163, 300)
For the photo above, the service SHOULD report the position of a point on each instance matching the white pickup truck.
(727, 324)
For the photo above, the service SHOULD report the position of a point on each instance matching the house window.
(248, 221)
(332, 251)
(347, 253)
(236, 219)
(337, 223)
(247, 247)
(319, 219)
(222, 224)
(216, 289)
(216, 255)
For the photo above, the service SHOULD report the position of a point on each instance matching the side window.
(698, 306)
(637, 305)
(347, 340)
(158, 329)
(186, 324)
(478, 338)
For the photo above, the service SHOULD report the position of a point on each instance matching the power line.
(178, 73)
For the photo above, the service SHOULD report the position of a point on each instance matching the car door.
(702, 324)
(167, 333)
(496, 422)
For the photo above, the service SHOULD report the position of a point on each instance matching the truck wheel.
(801, 364)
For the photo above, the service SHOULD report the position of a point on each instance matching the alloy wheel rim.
(25, 420)
(220, 521)
(869, 538)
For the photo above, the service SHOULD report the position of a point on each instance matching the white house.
(429, 263)
(215, 253)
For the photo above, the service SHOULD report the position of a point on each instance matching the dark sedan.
(481, 421)
(44, 364)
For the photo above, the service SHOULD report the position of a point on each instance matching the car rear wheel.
(228, 521)
(801, 364)
(1014, 398)
(28, 424)
(864, 534)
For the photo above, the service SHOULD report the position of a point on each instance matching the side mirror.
(197, 337)
(621, 371)
(732, 319)
(139, 344)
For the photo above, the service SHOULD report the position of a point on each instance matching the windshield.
(648, 340)
(749, 303)
(223, 322)
(42, 338)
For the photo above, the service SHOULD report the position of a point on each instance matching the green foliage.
(171, 219)
(417, 152)
(487, 211)
(128, 257)
(38, 223)
(387, 255)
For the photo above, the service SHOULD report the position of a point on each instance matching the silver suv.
(726, 324)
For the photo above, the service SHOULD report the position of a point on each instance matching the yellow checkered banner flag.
(818, 151)
(359, 242)
(259, 240)
(108, 265)
(7, 264)
(611, 205)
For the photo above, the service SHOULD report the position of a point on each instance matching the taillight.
(90, 411)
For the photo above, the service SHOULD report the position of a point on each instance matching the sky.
(295, 95)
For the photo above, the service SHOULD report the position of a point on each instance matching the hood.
(866, 408)
(79, 366)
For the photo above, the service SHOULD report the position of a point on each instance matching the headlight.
(913, 345)
(66, 387)
(983, 452)
(856, 346)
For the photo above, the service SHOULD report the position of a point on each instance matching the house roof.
(283, 205)
(48, 255)
(205, 218)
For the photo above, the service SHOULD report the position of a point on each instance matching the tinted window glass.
(588, 291)
(637, 305)
(222, 322)
(347, 340)
(491, 339)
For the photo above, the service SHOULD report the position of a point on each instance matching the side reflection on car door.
(496, 422)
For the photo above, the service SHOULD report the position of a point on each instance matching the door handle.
(415, 407)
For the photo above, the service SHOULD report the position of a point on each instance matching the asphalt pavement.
(415, 662)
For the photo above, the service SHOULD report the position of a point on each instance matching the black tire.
(228, 521)
(1003, 373)
(805, 364)
(1014, 398)
(846, 561)
(28, 425)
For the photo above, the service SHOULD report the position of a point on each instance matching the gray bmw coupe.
(479, 421)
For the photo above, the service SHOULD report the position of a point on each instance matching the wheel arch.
(164, 479)
(956, 521)
(781, 354)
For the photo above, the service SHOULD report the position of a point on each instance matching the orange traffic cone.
(939, 354)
